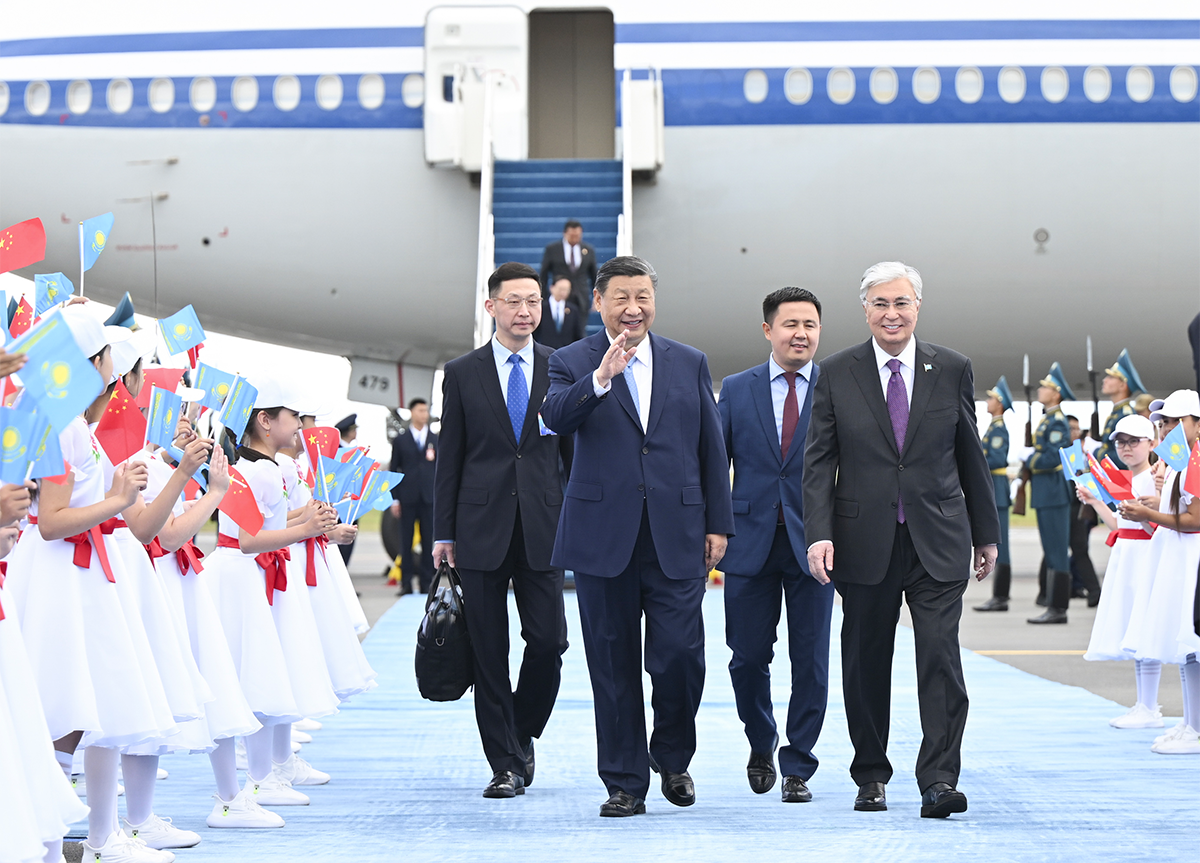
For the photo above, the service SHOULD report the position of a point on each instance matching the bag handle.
(451, 575)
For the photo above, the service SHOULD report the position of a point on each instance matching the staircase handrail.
(486, 260)
(625, 220)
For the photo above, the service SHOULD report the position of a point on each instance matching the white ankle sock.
(1147, 672)
(140, 772)
(1189, 674)
(100, 769)
(258, 753)
(224, 767)
(281, 742)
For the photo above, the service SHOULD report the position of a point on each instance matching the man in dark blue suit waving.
(764, 414)
(646, 517)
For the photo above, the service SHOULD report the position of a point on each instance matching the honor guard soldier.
(995, 445)
(1051, 494)
(1121, 384)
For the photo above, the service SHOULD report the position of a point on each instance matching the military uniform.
(995, 447)
(1127, 372)
(1050, 495)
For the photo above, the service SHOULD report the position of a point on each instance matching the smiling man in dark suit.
(573, 259)
(498, 496)
(646, 518)
(764, 414)
(895, 480)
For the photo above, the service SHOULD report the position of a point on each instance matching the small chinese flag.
(321, 440)
(22, 319)
(239, 504)
(1191, 480)
(10, 390)
(163, 378)
(122, 428)
(61, 479)
(22, 244)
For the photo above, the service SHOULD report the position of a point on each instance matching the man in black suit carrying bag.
(573, 259)
(414, 453)
(498, 496)
(895, 480)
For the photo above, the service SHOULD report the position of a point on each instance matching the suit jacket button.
(641, 487)
(645, 450)
(783, 476)
(893, 504)
(901, 467)
(514, 491)
(518, 455)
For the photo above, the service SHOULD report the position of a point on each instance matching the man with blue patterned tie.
(498, 492)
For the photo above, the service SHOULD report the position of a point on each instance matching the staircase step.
(534, 253)
(573, 194)
(538, 166)
(553, 181)
(543, 225)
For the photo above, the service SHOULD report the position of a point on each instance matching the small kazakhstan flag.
(93, 236)
(181, 330)
(51, 289)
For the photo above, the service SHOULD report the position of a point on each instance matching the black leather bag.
(445, 663)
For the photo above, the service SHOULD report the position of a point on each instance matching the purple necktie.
(897, 405)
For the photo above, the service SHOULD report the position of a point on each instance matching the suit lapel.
(490, 380)
(805, 413)
(760, 392)
(925, 375)
(661, 378)
(867, 375)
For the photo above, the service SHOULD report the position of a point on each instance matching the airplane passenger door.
(572, 85)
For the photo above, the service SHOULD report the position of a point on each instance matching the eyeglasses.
(901, 305)
(516, 302)
(1128, 441)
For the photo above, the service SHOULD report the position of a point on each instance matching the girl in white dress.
(1128, 569)
(269, 628)
(1167, 632)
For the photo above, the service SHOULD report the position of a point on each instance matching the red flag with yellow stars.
(321, 440)
(22, 319)
(239, 504)
(1191, 480)
(164, 378)
(22, 244)
(122, 428)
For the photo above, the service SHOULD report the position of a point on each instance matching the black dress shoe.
(1050, 615)
(761, 773)
(622, 805)
(993, 604)
(676, 787)
(1093, 599)
(1078, 593)
(529, 764)
(872, 797)
(505, 784)
(941, 801)
(795, 790)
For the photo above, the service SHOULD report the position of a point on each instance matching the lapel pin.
(928, 367)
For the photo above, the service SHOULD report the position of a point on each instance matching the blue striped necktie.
(518, 396)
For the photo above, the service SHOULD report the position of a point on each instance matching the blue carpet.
(1046, 776)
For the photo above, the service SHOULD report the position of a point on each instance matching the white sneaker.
(300, 736)
(239, 754)
(306, 725)
(162, 774)
(121, 848)
(297, 771)
(1170, 735)
(79, 783)
(160, 833)
(243, 812)
(272, 792)
(1187, 742)
(1139, 716)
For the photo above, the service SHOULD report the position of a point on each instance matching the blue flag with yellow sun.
(17, 445)
(235, 413)
(47, 454)
(1173, 450)
(215, 384)
(61, 381)
(165, 409)
(93, 235)
(181, 330)
(336, 478)
(52, 289)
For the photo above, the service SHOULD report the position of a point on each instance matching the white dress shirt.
(908, 362)
(504, 368)
(779, 390)
(419, 435)
(557, 311)
(571, 255)
(642, 366)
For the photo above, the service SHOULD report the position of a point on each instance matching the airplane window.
(371, 91)
(162, 95)
(1183, 83)
(120, 95)
(798, 85)
(884, 85)
(203, 94)
(1097, 83)
(927, 85)
(286, 92)
(1055, 84)
(79, 96)
(4, 97)
(37, 98)
(839, 83)
(329, 91)
(968, 85)
(1139, 83)
(412, 90)
(1012, 84)
(245, 93)
(755, 86)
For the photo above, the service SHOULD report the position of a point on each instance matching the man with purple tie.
(764, 414)
(895, 480)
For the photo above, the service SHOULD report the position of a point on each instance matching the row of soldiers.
(1051, 497)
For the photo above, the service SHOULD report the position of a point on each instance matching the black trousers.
(870, 614)
(610, 611)
(410, 516)
(508, 720)
(1081, 559)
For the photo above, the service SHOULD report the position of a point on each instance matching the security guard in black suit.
(995, 446)
(1121, 383)
(1050, 494)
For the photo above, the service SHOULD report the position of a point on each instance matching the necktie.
(791, 415)
(558, 315)
(633, 390)
(897, 405)
(518, 396)
(574, 258)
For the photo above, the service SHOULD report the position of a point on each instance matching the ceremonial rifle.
(1095, 430)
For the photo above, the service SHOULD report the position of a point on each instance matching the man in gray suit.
(895, 480)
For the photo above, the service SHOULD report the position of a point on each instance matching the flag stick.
(29, 471)
(81, 270)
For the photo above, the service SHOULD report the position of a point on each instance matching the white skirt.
(349, 671)
(36, 800)
(341, 577)
(90, 655)
(302, 646)
(1127, 583)
(228, 714)
(1167, 630)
